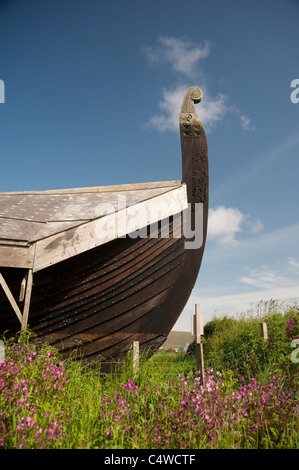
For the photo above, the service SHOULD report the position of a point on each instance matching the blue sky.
(92, 96)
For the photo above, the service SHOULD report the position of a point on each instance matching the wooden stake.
(135, 357)
(264, 330)
(197, 324)
(200, 361)
(197, 329)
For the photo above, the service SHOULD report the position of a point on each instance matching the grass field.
(249, 398)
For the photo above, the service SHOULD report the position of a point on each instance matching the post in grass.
(197, 330)
(135, 360)
(264, 330)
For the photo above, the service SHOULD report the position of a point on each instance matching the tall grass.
(248, 398)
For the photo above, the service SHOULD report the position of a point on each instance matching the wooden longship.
(94, 269)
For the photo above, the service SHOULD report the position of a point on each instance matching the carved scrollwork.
(189, 122)
(193, 95)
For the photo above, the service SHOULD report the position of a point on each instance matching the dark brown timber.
(129, 289)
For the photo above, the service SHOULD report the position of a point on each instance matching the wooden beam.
(27, 298)
(16, 256)
(11, 299)
(89, 235)
(197, 329)
(101, 189)
(23, 289)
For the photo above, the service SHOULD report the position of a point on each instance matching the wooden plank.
(11, 298)
(27, 299)
(199, 329)
(99, 189)
(32, 216)
(23, 289)
(16, 256)
(99, 231)
(16, 232)
(83, 206)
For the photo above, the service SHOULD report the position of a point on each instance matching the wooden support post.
(27, 298)
(11, 299)
(23, 318)
(200, 361)
(135, 359)
(264, 330)
(197, 330)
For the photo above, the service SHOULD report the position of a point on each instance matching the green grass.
(248, 399)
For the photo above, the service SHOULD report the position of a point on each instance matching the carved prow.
(194, 150)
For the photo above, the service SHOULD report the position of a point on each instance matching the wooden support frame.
(22, 317)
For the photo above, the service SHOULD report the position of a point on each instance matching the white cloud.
(225, 222)
(293, 264)
(184, 57)
(182, 54)
(266, 279)
(254, 226)
(262, 245)
(246, 123)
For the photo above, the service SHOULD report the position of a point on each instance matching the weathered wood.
(11, 298)
(197, 330)
(100, 189)
(264, 330)
(23, 288)
(16, 256)
(200, 361)
(97, 232)
(197, 327)
(29, 278)
(135, 357)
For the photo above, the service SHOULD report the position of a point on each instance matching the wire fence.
(194, 360)
(169, 364)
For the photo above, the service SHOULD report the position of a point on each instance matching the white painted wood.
(96, 232)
